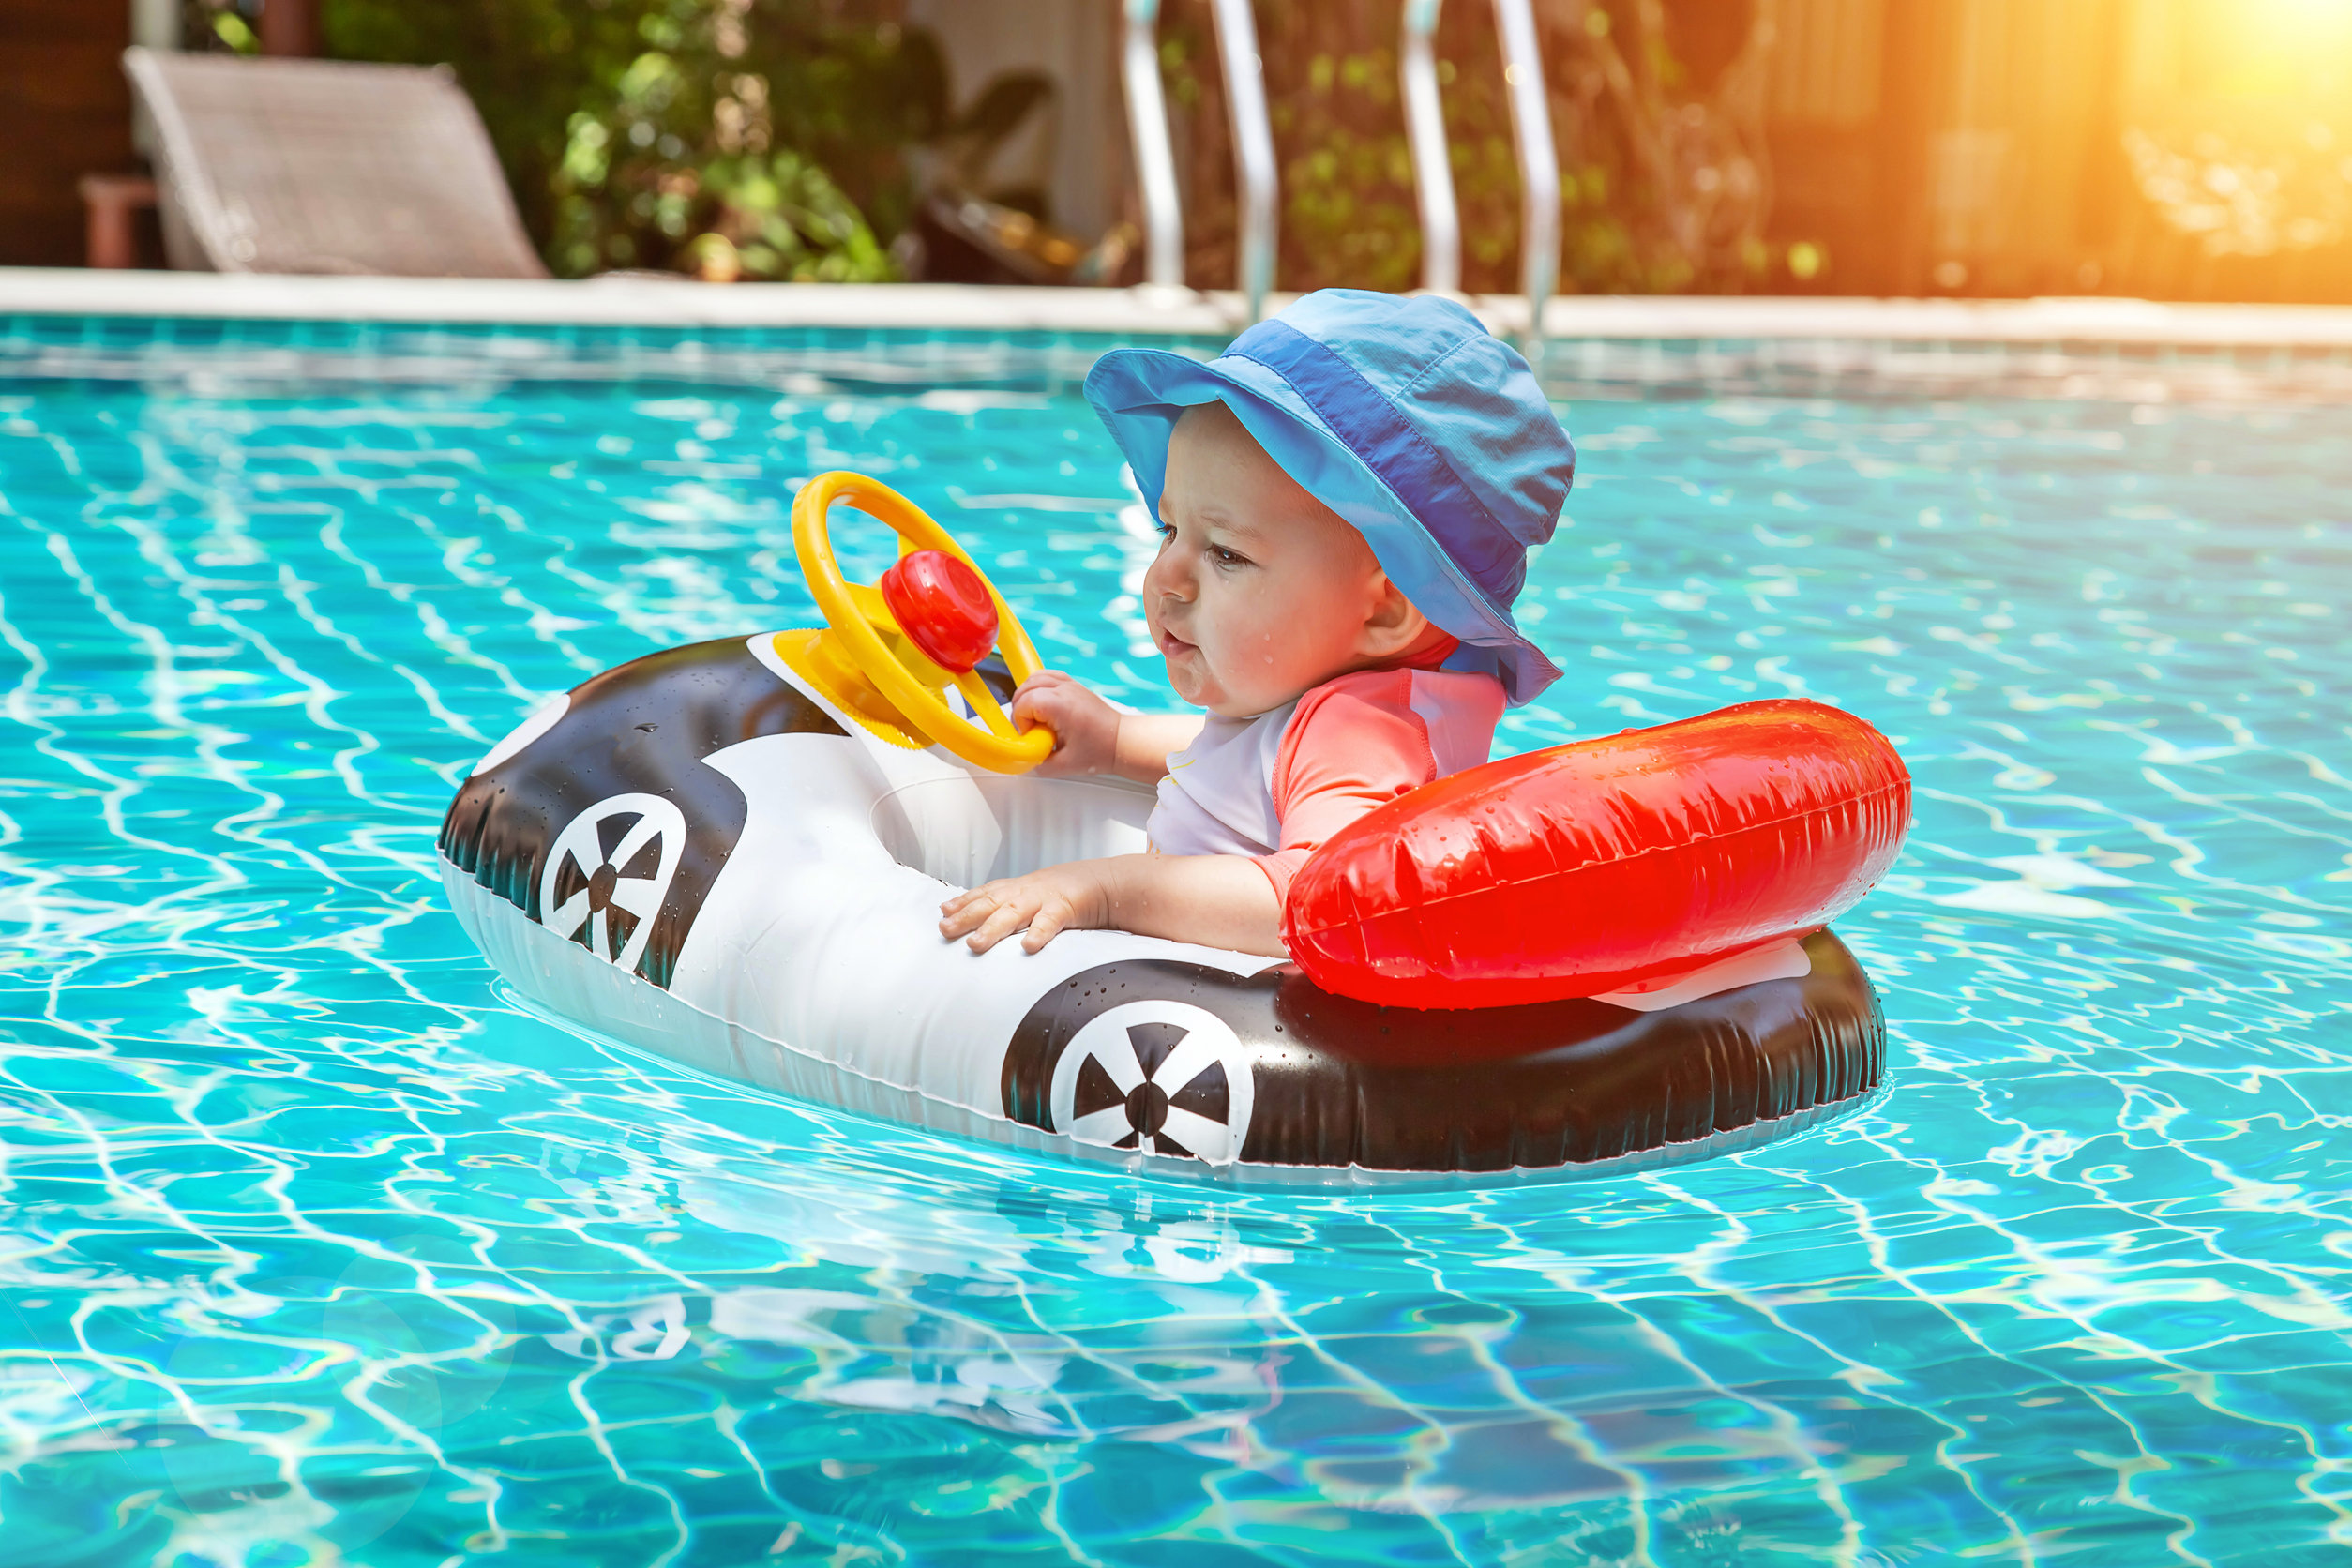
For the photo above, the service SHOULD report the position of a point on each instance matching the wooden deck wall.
(65, 112)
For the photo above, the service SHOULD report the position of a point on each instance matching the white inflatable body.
(699, 854)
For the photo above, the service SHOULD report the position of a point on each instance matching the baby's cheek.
(1287, 648)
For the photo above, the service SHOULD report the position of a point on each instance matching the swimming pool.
(316, 1250)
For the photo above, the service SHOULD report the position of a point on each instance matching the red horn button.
(944, 606)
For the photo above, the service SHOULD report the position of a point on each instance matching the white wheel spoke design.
(1194, 1055)
(567, 921)
(1104, 1055)
(1119, 1060)
(577, 855)
(647, 829)
(640, 895)
(1104, 1128)
(1198, 1135)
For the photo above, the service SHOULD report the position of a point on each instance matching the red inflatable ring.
(1593, 866)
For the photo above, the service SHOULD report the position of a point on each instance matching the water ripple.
(315, 1250)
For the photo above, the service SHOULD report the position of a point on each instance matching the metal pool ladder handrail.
(1155, 162)
(1433, 171)
(1539, 161)
(1253, 149)
(1531, 128)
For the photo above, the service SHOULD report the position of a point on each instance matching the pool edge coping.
(1143, 311)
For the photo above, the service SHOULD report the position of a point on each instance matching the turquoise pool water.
(313, 1250)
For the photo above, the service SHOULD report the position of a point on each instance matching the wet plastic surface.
(1583, 868)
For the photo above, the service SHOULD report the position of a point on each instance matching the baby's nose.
(1166, 584)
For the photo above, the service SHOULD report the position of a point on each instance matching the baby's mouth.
(1173, 646)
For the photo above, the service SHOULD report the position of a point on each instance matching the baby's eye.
(1225, 557)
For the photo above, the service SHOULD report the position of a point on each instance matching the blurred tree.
(527, 65)
(735, 138)
(1666, 182)
(2236, 138)
(715, 150)
(2252, 196)
(799, 138)
(220, 26)
(1687, 152)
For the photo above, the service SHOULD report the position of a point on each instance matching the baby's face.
(1259, 591)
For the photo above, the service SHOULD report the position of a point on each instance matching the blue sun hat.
(1405, 416)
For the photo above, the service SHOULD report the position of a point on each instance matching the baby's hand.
(1048, 902)
(1085, 728)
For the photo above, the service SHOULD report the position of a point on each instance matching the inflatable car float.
(733, 855)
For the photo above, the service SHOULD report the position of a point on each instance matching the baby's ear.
(1392, 625)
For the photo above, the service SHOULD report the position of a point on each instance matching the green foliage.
(220, 26)
(680, 169)
(796, 138)
(1349, 211)
(236, 33)
(527, 65)
(1631, 137)
(760, 138)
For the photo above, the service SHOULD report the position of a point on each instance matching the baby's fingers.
(965, 911)
(1035, 702)
(1042, 679)
(1040, 684)
(1002, 922)
(1046, 924)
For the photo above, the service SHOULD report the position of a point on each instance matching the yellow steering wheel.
(877, 668)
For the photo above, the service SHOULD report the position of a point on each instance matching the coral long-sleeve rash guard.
(1277, 786)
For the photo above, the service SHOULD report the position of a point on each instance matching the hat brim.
(1141, 393)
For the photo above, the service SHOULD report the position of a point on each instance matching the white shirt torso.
(1218, 795)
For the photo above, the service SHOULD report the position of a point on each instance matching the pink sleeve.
(1353, 744)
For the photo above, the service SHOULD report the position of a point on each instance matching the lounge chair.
(323, 166)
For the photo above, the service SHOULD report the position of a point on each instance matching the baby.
(1347, 500)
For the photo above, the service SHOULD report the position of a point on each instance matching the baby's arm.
(1218, 900)
(1093, 737)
